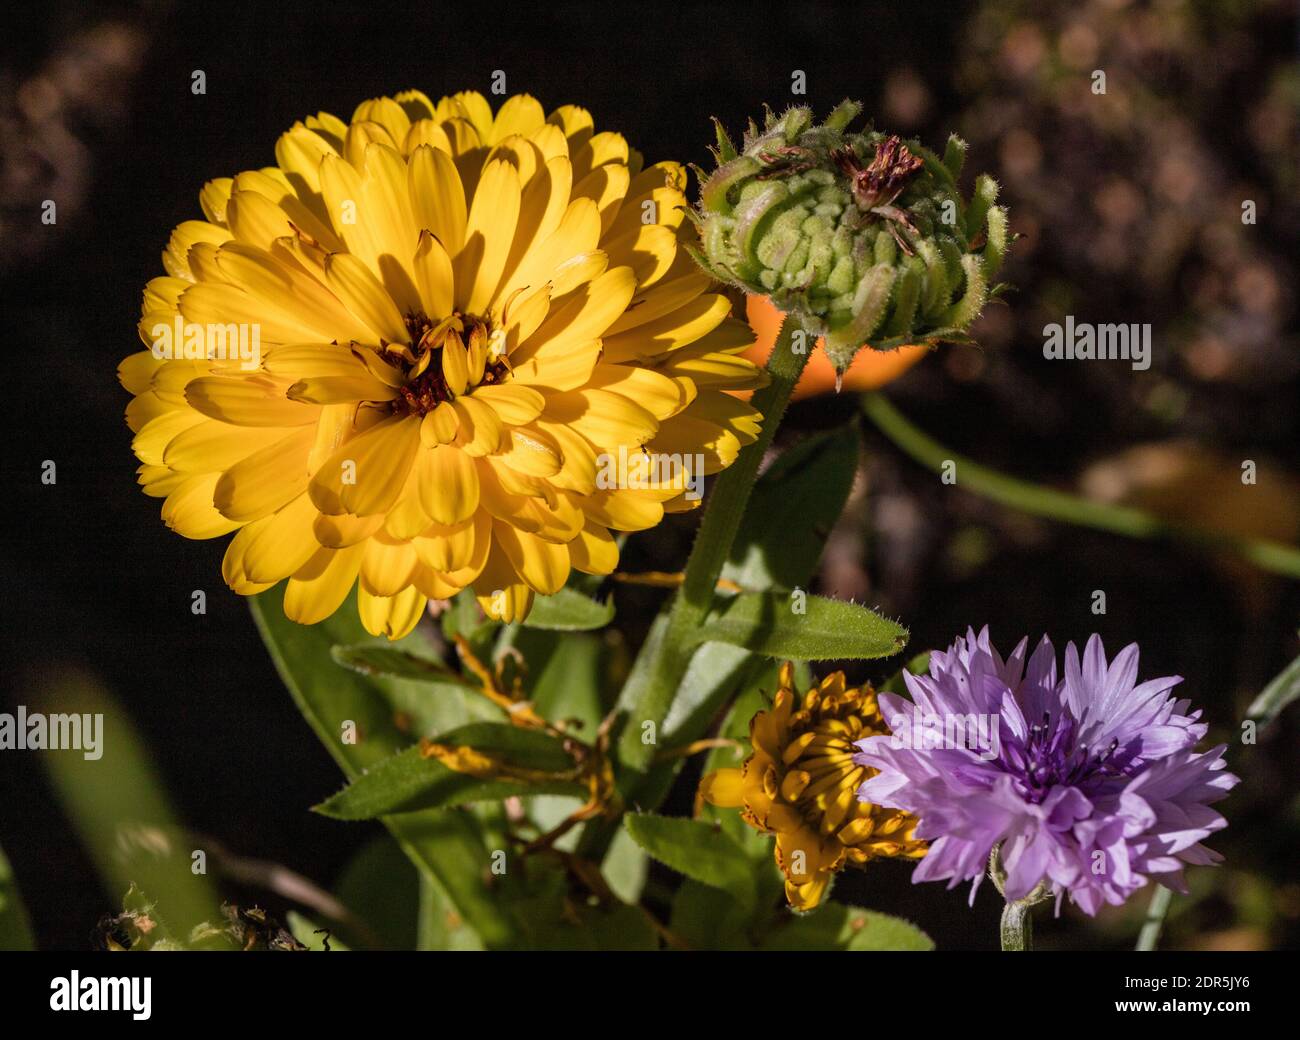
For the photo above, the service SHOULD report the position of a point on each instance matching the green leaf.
(792, 510)
(537, 892)
(451, 844)
(1284, 689)
(716, 672)
(527, 748)
(408, 781)
(706, 919)
(838, 927)
(625, 868)
(829, 629)
(569, 611)
(569, 684)
(381, 889)
(312, 935)
(697, 849)
(401, 664)
(120, 809)
(15, 929)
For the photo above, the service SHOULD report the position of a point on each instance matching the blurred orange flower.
(871, 369)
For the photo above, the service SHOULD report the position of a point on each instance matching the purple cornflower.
(1088, 782)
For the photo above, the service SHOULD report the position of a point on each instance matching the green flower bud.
(863, 234)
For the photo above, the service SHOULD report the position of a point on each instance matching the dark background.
(1130, 207)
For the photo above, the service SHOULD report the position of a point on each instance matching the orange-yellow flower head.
(430, 349)
(801, 784)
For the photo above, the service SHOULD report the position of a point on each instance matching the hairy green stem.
(1060, 505)
(722, 516)
(1018, 925)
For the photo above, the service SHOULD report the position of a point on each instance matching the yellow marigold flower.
(459, 317)
(801, 784)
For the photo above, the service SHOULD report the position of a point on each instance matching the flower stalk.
(722, 515)
(1017, 928)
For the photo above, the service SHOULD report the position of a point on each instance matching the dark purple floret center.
(1050, 758)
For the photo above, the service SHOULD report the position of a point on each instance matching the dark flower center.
(1049, 758)
(883, 180)
(424, 360)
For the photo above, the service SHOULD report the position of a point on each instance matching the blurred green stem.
(1059, 505)
(1150, 934)
(722, 516)
(426, 927)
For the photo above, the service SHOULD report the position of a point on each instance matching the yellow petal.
(447, 547)
(386, 566)
(298, 153)
(150, 444)
(255, 219)
(283, 544)
(366, 474)
(320, 586)
(575, 122)
(391, 616)
(253, 401)
(287, 289)
(606, 419)
(724, 788)
(365, 297)
(514, 403)
(584, 317)
(437, 196)
(189, 511)
(219, 304)
(340, 389)
(543, 565)
(233, 569)
(500, 593)
(578, 472)
(387, 113)
(267, 479)
(455, 365)
(577, 232)
(340, 530)
(649, 250)
(188, 233)
(675, 329)
(606, 185)
(440, 425)
(433, 275)
(653, 391)
(533, 452)
(715, 371)
(565, 368)
(599, 149)
(594, 551)
(542, 205)
(450, 494)
(213, 198)
(623, 510)
(521, 114)
(665, 298)
(479, 431)
(489, 233)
